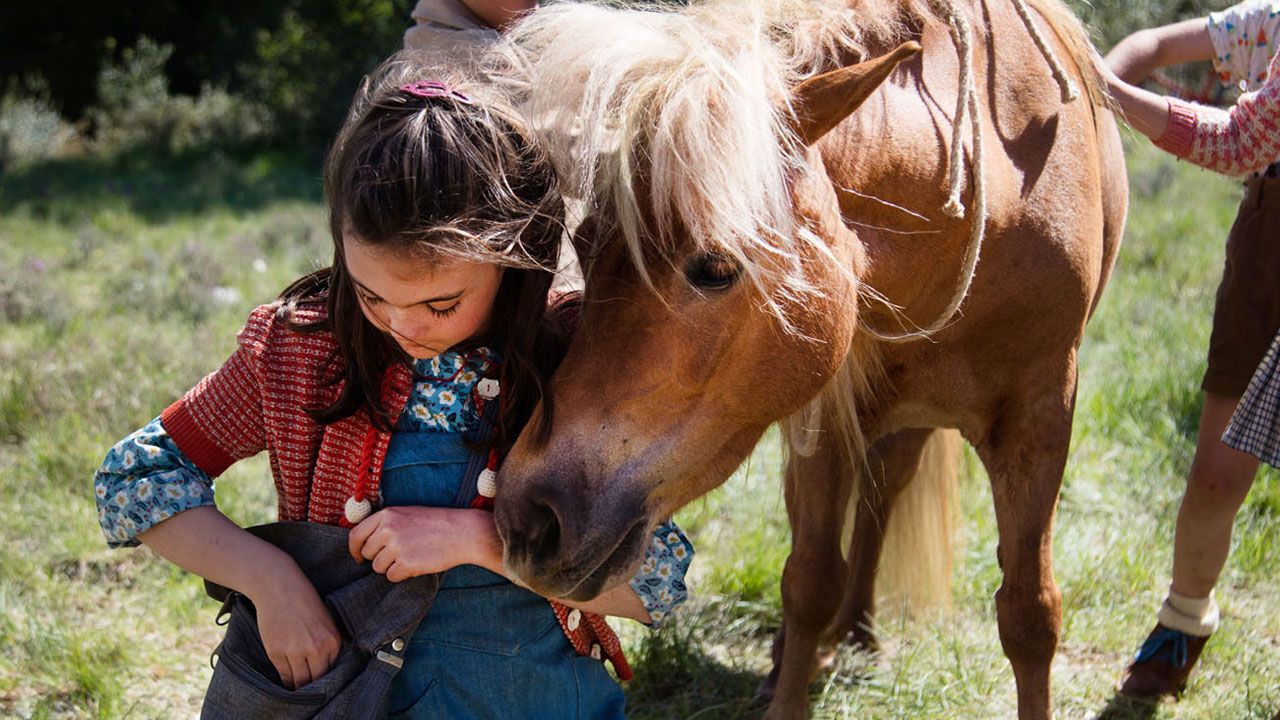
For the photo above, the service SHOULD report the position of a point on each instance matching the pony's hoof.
(863, 640)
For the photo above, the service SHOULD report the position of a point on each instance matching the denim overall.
(487, 648)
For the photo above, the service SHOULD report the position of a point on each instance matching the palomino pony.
(781, 229)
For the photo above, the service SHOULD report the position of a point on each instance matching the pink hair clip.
(434, 89)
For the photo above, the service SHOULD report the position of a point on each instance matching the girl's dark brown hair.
(439, 178)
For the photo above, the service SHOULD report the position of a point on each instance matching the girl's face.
(426, 306)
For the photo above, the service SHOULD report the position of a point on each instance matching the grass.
(123, 281)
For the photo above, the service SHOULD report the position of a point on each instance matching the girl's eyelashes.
(446, 312)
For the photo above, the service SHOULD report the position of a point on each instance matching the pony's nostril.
(541, 539)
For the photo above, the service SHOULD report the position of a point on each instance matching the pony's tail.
(920, 540)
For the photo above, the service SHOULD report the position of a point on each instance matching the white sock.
(1193, 616)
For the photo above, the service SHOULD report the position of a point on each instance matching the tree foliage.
(299, 58)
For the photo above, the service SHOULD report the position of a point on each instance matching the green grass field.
(123, 281)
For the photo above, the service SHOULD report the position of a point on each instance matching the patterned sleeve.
(660, 582)
(1237, 142)
(1243, 38)
(146, 479)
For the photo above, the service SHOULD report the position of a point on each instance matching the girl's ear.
(823, 101)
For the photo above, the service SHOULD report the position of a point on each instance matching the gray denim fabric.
(376, 618)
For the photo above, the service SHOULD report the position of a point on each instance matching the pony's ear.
(822, 101)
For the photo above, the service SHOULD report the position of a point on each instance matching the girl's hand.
(298, 632)
(407, 541)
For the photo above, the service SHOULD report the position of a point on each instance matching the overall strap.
(477, 488)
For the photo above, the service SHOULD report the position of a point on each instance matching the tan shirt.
(447, 26)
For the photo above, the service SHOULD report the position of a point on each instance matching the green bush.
(307, 68)
(30, 127)
(136, 109)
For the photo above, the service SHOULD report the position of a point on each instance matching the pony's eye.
(713, 271)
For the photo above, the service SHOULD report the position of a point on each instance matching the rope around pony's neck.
(967, 108)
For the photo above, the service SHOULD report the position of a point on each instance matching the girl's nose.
(404, 323)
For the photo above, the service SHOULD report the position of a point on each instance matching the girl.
(363, 382)
(1240, 40)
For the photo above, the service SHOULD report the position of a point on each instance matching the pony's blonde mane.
(675, 124)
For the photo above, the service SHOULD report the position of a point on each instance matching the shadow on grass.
(1120, 707)
(161, 187)
(674, 678)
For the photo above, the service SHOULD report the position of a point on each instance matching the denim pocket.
(245, 683)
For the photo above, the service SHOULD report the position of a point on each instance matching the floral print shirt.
(146, 479)
(1244, 39)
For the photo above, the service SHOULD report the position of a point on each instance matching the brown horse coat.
(697, 334)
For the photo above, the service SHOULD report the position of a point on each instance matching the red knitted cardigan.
(257, 401)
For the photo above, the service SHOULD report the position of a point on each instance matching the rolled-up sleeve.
(1242, 140)
(660, 582)
(144, 480)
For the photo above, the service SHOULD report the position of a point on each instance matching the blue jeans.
(487, 648)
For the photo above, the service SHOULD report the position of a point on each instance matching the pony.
(877, 222)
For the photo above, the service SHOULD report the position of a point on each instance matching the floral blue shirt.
(145, 479)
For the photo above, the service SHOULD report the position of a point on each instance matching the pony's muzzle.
(567, 544)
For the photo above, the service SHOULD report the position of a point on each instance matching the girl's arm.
(1134, 58)
(298, 632)
(149, 491)
(156, 487)
(1244, 139)
(407, 541)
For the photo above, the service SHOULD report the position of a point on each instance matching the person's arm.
(497, 14)
(148, 491)
(156, 487)
(411, 540)
(1244, 139)
(1134, 58)
(298, 633)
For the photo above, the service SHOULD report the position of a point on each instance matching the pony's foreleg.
(891, 465)
(1025, 451)
(817, 496)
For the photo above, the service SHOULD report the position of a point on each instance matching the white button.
(487, 483)
(397, 644)
(488, 388)
(357, 510)
(574, 619)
